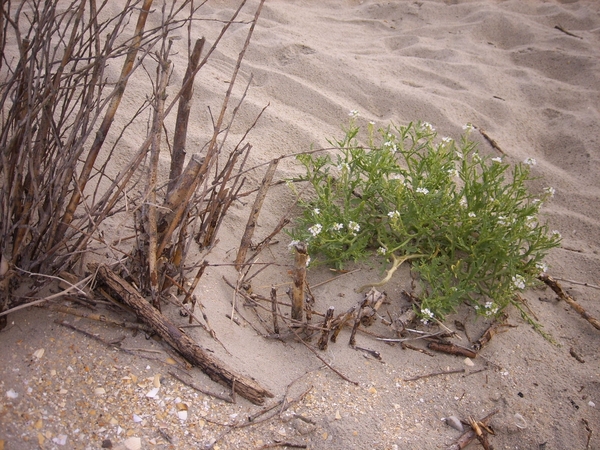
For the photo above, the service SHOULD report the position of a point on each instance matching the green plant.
(466, 222)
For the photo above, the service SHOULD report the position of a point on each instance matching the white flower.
(502, 220)
(491, 308)
(371, 123)
(476, 157)
(459, 155)
(315, 229)
(468, 127)
(428, 127)
(395, 176)
(550, 191)
(394, 214)
(519, 281)
(446, 140)
(337, 226)
(382, 251)
(497, 159)
(453, 172)
(316, 211)
(353, 113)
(530, 222)
(463, 202)
(422, 190)
(472, 214)
(556, 234)
(354, 227)
(530, 161)
(343, 166)
(427, 313)
(542, 267)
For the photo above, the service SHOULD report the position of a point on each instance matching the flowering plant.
(466, 222)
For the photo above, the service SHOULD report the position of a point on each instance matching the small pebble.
(592, 404)
(454, 422)
(11, 394)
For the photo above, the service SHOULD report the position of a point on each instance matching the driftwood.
(191, 351)
(556, 287)
(451, 349)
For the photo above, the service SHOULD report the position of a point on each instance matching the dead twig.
(102, 318)
(228, 399)
(488, 138)
(557, 288)
(494, 328)
(467, 437)
(253, 217)
(435, 374)
(560, 28)
(452, 349)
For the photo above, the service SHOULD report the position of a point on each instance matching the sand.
(503, 66)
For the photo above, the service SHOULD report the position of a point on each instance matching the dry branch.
(106, 123)
(191, 351)
(253, 217)
(183, 114)
(556, 287)
(451, 349)
(487, 335)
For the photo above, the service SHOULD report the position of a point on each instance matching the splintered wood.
(299, 281)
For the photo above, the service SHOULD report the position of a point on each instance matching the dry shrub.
(58, 135)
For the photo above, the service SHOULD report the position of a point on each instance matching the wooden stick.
(492, 142)
(357, 319)
(556, 287)
(106, 123)
(435, 374)
(559, 28)
(274, 310)
(152, 213)
(183, 114)
(192, 352)
(326, 329)
(102, 318)
(452, 349)
(299, 278)
(253, 217)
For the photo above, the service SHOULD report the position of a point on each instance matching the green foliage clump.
(467, 222)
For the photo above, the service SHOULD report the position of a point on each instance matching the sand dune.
(509, 67)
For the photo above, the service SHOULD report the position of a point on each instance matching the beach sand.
(509, 68)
